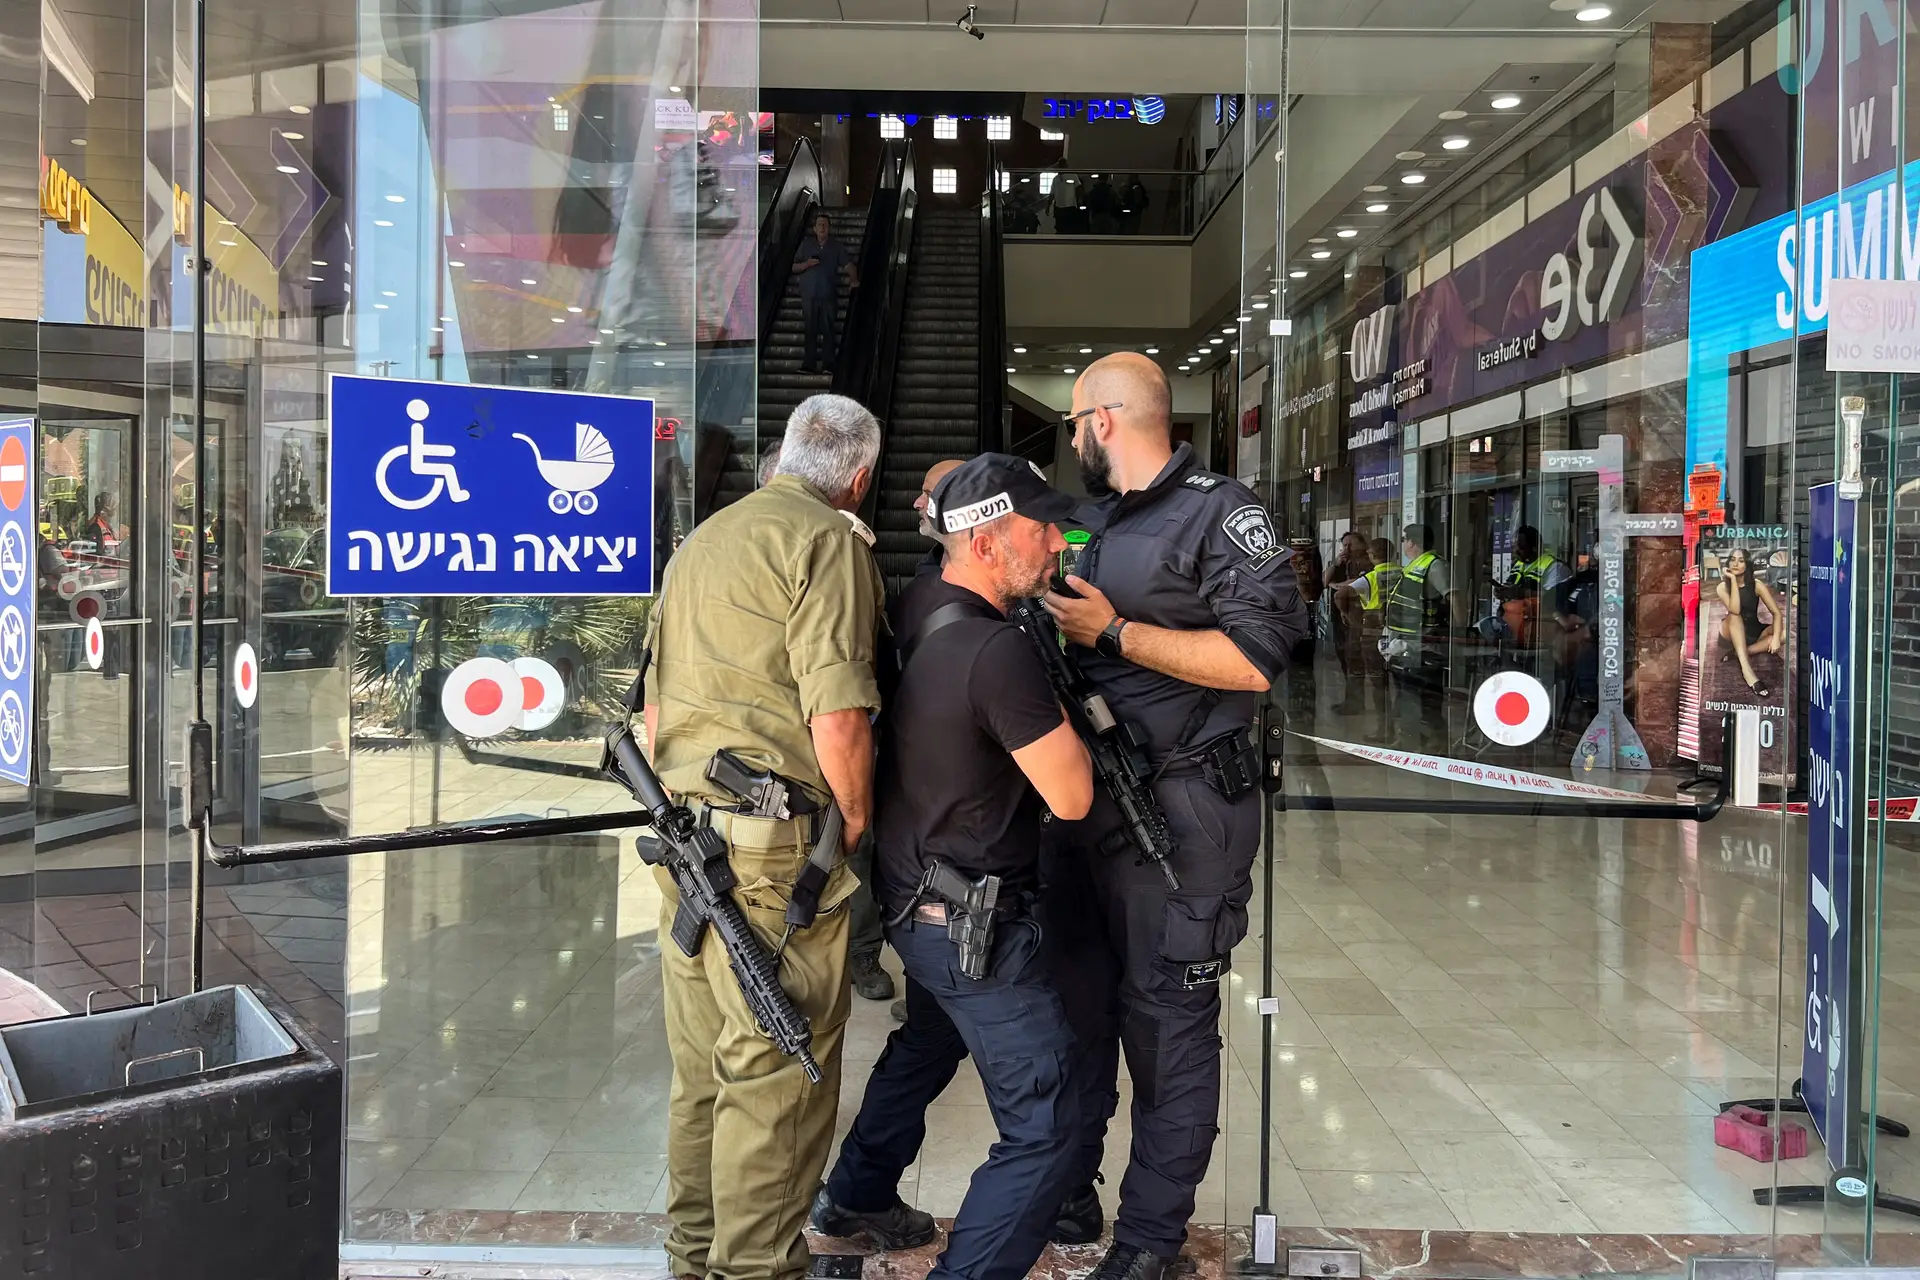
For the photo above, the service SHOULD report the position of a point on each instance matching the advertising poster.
(1745, 627)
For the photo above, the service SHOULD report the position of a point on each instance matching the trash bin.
(197, 1137)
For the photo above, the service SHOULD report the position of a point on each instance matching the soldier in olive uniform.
(763, 643)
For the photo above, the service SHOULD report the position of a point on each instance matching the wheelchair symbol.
(423, 459)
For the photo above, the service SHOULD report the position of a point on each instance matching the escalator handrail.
(786, 222)
(873, 352)
(994, 433)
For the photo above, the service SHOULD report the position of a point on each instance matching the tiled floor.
(1486, 1025)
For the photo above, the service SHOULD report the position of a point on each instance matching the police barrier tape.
(1899, 808)
(1480, 775)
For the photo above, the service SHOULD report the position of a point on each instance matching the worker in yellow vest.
(1535, 573)
(1420, 608)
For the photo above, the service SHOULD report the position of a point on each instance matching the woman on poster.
(1742, 593)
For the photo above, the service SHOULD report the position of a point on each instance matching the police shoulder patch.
(1203, 482)
(1249, 529)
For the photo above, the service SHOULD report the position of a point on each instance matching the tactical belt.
(744, 831)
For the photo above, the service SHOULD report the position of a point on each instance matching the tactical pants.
(1012, 1023)
(1139, 967)
(747, 1135)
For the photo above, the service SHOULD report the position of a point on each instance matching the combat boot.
(1079, 1220)
(869, 979)
(1131, 1262)
(897, 1227)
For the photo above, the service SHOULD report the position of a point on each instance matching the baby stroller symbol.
(574, 479)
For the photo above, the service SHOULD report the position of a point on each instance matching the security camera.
(966, 23)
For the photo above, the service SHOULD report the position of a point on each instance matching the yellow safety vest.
(1410, 610)
(1376, 585)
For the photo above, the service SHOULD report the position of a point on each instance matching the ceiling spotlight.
(558, 319)
(1067, 368)
(659, 364)
(674, 88)
(301, 111)
(1259, 306)
(659, 342)
(318, 263)
(1010, 369)
(291, 136)
(1216, 341)
(1296, 275)
(396, 199)
(1376, 208)
(1410, 156)
(966, 23)
(573, 311)
(382, 222)
(528, 280)
(1019, 351)
(1506, 102)
(1228, 329)
(532, 355)
(1346, 233)
(1413, 179)
(316, 279)
(1456, 144)
(1086, 351)
(287, 168)
(1453, 115)
(1594, 13)
(1321, 255)
(388, 293)
(455, 262)
(1373, 187)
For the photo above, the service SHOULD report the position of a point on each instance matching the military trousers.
(747, 1134)
(1138, 967)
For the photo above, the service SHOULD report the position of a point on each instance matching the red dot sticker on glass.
(543, 694)
(96, 644)
(1512, 708)
(246, 675)
(483, 698)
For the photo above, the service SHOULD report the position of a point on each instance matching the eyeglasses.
(1072, 420)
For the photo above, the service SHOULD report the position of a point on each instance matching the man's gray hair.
(829, 440)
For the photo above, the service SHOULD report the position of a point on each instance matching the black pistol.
(696, 857)
(970, 914)
(765, 794)
(1117, 750)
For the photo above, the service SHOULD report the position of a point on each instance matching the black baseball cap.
(993, 485)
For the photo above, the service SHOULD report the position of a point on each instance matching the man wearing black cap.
(976, 743)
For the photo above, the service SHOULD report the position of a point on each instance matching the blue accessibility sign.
(16, 600)
(456, 489)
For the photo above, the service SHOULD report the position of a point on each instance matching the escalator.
(947, 396)
(936, 386)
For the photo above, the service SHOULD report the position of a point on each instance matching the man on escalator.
(819, 265)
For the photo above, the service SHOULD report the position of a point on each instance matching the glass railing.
(1062, 201)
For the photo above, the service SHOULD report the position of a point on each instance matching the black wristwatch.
(1107, 643)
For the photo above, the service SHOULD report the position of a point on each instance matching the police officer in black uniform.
(1186, 607)
(975, 740)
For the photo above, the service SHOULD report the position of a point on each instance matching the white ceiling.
(1522, 15)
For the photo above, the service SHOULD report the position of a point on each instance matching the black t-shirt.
(947, 786)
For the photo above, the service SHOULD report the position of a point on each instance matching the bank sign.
(453, 489)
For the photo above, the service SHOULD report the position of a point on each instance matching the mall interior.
(1544, 283)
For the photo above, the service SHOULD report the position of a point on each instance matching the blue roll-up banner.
(1827, 1071)
(456, 489)
(16, 600)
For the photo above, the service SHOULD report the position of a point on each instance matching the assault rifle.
(696, 857)
(1116, 746)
